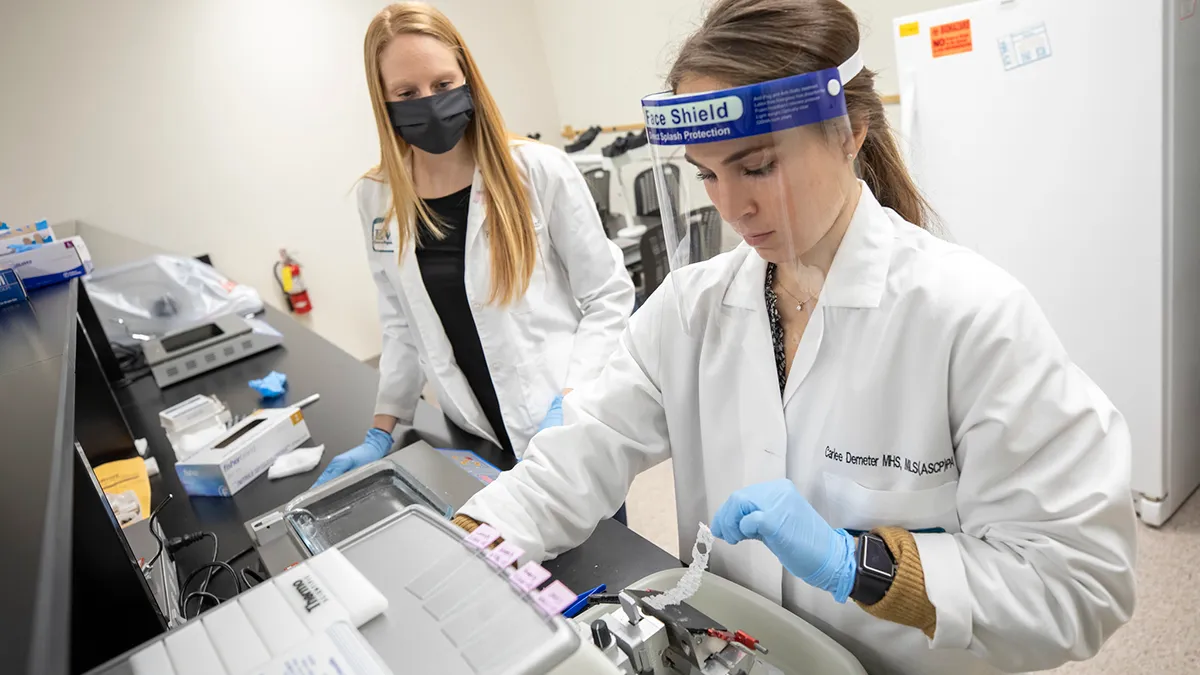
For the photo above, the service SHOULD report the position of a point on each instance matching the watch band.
(875, 569)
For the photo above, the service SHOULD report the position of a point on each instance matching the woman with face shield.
(880, 425)
(497, 284)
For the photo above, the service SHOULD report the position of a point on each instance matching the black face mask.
(435, 123)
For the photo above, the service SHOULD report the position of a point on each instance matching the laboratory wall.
(231, 127)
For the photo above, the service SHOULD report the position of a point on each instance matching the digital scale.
(193, 351)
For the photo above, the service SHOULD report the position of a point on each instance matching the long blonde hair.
(509, 216)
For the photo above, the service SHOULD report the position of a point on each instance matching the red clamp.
(740, 637)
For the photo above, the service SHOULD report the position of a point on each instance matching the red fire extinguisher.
(287, 274)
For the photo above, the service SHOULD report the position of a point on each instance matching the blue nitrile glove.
(377, 444)
(554, 416)
(271, 386)
(780, 517)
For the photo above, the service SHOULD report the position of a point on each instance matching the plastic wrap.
(164, 293)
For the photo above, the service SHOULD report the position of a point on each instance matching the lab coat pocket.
(854, 507)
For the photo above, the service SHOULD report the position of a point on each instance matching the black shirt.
(443, 269)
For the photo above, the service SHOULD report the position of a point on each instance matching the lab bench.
(38, 342)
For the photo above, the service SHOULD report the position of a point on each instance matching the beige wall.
(237, 127)
(232, 127)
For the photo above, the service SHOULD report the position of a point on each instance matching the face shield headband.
(750, 110)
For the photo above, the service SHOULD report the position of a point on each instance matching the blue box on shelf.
(12, 291)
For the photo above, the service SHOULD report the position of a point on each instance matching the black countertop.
(37, 374)
(37, 417)
(614, 555)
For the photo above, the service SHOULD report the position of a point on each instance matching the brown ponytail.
(747, 41)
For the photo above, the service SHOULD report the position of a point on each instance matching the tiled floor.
(1163, 638)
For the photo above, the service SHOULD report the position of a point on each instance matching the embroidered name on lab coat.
(381, 237)
(889, 461)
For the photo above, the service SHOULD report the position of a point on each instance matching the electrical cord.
(132, 362)
(203, 596)
(216, 551)
(246, 571)
(184, 595)
(153, 519)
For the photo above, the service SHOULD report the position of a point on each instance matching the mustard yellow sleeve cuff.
(906, 602)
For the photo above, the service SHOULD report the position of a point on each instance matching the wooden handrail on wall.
(571, 133)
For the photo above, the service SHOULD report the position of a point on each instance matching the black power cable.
(153, 519)
(184, 596)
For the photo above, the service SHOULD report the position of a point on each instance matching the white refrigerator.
(1061, 140)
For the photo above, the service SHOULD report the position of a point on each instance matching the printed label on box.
(482, 537)
(910, 29)
(949, 39)
(505, 554)
(530, 576)
(555, 598)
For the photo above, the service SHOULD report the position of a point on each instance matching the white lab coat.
(558, 336)
(920, 356)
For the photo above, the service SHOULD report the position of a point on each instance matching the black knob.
(600, 634)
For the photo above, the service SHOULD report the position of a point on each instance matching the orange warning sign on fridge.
(951, 38)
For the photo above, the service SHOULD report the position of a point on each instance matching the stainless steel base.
(414, 474)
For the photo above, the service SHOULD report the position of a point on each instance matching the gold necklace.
(799, 303)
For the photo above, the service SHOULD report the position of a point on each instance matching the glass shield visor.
(765, 164)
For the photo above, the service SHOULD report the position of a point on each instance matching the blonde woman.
(496, 281)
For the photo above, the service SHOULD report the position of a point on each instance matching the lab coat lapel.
(857, 278)
(858, 275)
(761, 427)
(476, 216)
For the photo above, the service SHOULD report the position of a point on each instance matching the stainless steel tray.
(324, 518)
(353, 502)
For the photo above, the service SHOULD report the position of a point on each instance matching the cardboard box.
(37, 233)
(50, 263)
(243, 453)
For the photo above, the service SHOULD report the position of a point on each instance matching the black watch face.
(877, 558)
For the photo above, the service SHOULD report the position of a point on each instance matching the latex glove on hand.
(779, 516)
(554, 416)
(377, 444)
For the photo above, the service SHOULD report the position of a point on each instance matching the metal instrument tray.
(322, 519)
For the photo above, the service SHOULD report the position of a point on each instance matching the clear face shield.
(770, 164)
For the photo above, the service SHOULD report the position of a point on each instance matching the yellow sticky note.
(910, 29)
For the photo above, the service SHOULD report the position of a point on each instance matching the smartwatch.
(875, 569)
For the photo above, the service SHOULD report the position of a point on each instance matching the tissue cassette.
(243, 453)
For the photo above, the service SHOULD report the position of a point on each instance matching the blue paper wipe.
(271, 386)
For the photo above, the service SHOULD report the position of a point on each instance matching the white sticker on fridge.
(1025, 47)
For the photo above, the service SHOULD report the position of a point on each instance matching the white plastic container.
(194, 424)
(796, 647)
